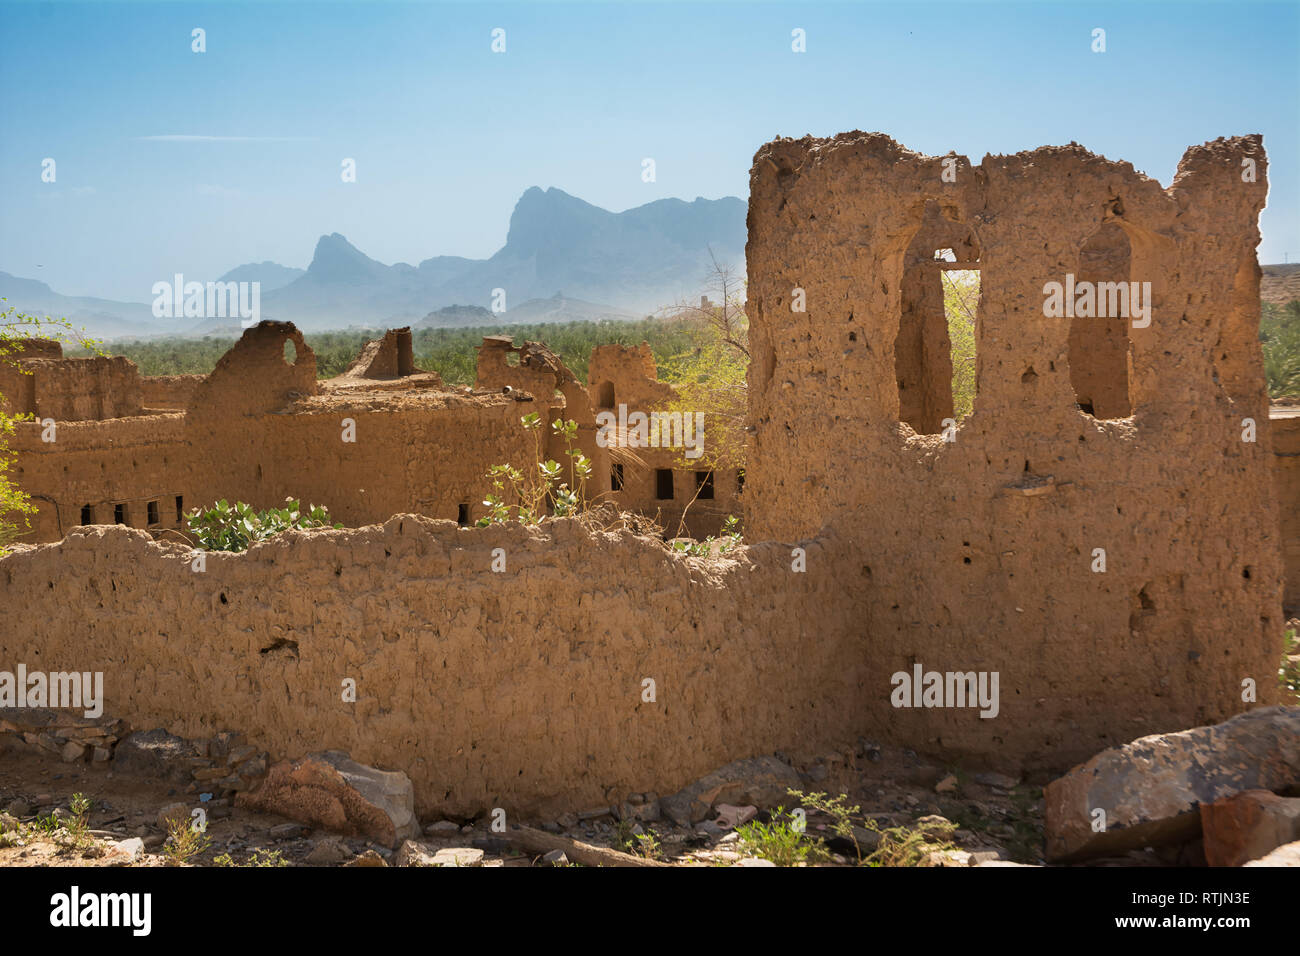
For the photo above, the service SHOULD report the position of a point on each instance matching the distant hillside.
(102, 318)
(640, 259)
(1280, 283)
(558, 308)
(457, 317)
(272, 275)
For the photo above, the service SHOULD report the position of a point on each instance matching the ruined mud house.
(1097, 532)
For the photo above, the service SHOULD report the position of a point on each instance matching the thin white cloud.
(186, 138)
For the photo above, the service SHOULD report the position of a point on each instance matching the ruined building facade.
(1096, 533)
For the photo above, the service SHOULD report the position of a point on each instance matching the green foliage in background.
(449, 352)
(227, 527)
(961, 295)
(1279, 336)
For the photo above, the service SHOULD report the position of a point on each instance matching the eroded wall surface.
(521, 688)
(992, 540)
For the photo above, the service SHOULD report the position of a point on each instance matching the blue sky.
(446, 134)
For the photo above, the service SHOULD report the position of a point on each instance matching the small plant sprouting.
(780, 840)
(227, 527)
(260, 857)
(536, 492)
(186, 839)
(726, 543)
(78, 824)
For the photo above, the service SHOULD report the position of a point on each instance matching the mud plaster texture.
(978, 553)
(522, 689)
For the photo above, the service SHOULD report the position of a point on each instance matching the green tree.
(709, 374)
(961, 294)
(1279, 336)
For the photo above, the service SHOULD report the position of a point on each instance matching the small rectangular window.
(462, 514)
(119, 514)
(180, 509)
(704, 482)
(87, 514)
(616, 478)
(664, 484)
(151, 509)
(740, 480)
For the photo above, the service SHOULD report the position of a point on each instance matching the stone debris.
(1150, 790)
(126, 851)
(412, 853)
(1288, 855)
(368, 858)
(328, 851)
(763, 782)
(333, 791)
(730, 817)
(1247, 826)
(458, 856)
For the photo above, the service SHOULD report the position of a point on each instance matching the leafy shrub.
(782, 839)
(536, 493)
(227, 527)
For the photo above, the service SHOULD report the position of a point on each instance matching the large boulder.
(333, 791)
(757, 781)
(1247, 826)
(1150, 790)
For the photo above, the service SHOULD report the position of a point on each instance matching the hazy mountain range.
(564, 259)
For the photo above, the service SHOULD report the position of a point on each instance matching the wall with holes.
(1090, 441)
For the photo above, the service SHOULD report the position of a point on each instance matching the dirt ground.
(998, 818)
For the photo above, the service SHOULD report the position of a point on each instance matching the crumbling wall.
(535, 369)
(462, 671)
(117, 469)
(540, 373)
(270, 366)
(172, 392)
(1040, 532)
(72, 390)
(391, 356)
(360, 456)
(488, 688)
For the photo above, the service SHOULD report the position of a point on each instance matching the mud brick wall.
(168, 391)
(983, 547)
(72, 390)
(521, 689)
(126, 461)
